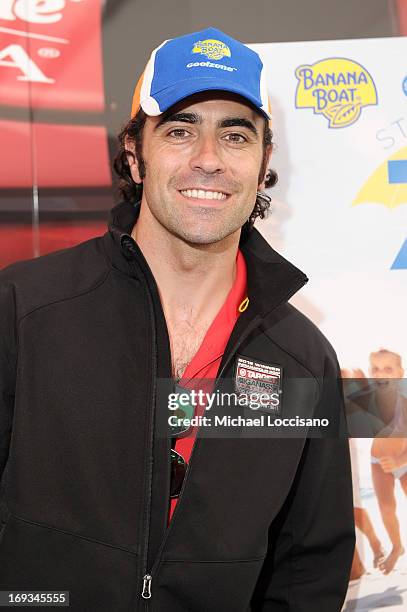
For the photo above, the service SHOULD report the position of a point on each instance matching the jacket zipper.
(146, 592)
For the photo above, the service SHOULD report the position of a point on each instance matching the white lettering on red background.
(32, 11)
(55, 47)
(14, 56)
(41, 12)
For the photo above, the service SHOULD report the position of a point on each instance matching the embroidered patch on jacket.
(260, 383)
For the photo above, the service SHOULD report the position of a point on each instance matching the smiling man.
(102, 496)
(204, 159)
(202, 162)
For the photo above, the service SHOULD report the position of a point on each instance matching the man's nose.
(207, 155)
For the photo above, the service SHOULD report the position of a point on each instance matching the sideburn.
(140, 161)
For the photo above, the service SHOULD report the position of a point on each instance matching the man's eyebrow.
(179, 117)
(238, 122)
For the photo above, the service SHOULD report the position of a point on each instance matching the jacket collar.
(271, 278)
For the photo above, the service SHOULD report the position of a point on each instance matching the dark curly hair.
(132, 132)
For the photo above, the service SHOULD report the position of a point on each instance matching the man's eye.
(178, 133)
(239, 138)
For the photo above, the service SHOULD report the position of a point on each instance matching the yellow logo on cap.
(213, 49)
(336, 88)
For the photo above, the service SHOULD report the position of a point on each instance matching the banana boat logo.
(213, 49)
(337, 88)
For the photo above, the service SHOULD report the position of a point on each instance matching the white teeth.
(204, 195)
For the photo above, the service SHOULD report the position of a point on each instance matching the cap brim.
(164, 99)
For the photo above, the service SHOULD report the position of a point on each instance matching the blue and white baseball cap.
(208, 60)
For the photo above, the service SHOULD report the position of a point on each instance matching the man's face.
(384, 367)
(202, 166)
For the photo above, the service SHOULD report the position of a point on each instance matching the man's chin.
(203, 239)
(203, 235)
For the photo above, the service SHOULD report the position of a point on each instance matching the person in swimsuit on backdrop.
(384, 408)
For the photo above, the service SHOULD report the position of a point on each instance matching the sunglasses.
(180, 430)
(178, 470)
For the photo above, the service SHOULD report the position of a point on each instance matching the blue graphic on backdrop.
(400, 263)
(387, 185)
(397, 171)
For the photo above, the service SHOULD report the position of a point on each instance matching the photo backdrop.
(339, 213)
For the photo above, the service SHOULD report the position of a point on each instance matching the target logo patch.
(259, 381)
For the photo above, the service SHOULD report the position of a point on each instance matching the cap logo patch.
(213, 49)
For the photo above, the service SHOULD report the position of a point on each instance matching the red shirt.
(205, 363)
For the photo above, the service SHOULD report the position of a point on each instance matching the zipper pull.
(146, 592)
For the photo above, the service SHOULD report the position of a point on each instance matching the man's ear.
(267, 157)
(132, 160)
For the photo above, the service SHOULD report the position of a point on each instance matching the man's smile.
(203, 194)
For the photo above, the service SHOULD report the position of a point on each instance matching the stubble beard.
(206, 227)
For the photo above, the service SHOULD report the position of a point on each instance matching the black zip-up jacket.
(263, 523)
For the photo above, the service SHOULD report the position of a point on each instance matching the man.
(93, 337)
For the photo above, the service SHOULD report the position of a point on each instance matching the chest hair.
(185, 340)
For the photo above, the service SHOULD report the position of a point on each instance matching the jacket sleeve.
(7, 368)
(312, 539)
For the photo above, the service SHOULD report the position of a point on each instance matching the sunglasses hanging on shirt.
(184, 412)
